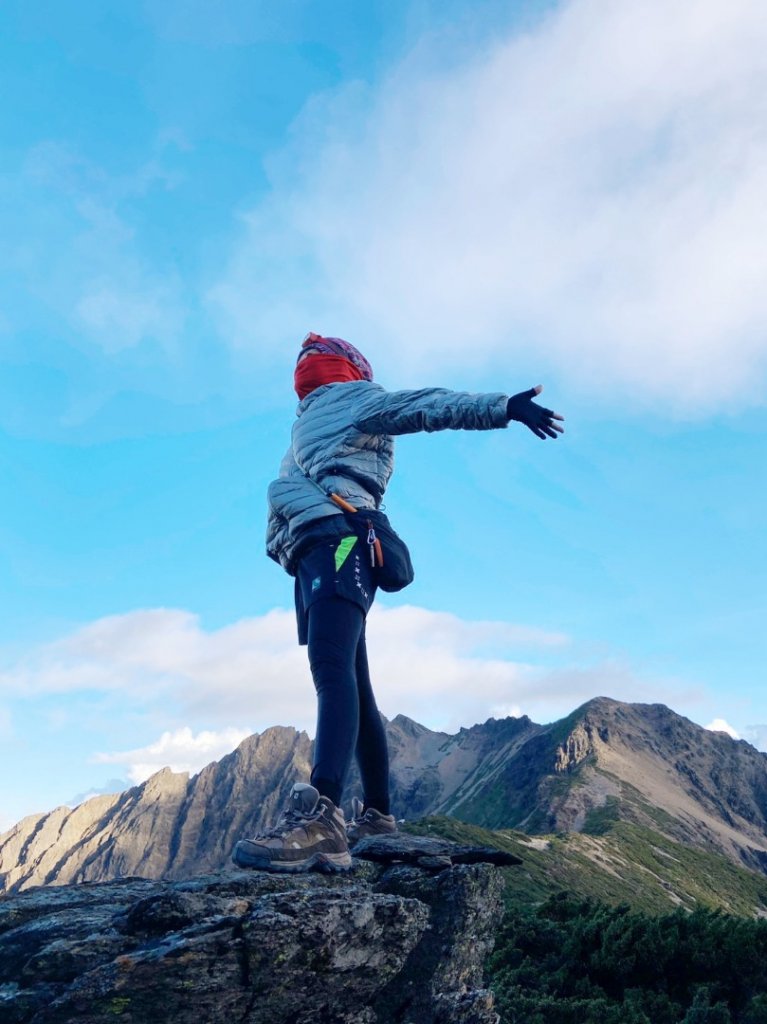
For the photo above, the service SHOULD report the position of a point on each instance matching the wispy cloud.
(75, 245)
(587, 196)
(435, 667)
(121, 316)
(152, 655)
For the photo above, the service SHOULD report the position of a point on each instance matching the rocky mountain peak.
(409, 727)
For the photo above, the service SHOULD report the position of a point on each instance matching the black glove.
(523, 409)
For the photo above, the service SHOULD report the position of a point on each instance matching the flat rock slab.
(429, 853)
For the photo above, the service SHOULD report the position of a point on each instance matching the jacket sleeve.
(428, 409)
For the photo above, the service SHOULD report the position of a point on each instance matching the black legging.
(348, 722)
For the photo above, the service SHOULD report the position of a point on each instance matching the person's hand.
(541, 421)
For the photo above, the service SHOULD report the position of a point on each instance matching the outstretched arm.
(542, 422)
(430, 409)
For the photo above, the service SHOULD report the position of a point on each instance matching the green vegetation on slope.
(623, 926)
(623, 863)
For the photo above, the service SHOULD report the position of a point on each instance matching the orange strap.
(342, 503)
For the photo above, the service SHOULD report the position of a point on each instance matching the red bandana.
(314, 371)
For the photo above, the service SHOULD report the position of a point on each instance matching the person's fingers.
(548, 416)
(538, 433)
(551, 414)
(551, 432)
(537, 389)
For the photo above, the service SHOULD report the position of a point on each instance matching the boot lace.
(289, 820)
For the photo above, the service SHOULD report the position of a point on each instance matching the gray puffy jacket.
(343, 444)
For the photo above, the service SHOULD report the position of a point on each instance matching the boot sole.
(327, 863)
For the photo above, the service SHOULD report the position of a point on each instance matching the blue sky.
(480, 196)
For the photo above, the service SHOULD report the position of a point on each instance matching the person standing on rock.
(326, 529)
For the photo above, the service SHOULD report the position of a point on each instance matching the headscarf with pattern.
(338, 347)
(333, 361)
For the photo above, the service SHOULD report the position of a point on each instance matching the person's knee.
(331, 662)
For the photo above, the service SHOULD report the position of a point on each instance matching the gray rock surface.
(387, 943)
(430, 853)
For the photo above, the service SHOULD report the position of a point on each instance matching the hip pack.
(389, 555)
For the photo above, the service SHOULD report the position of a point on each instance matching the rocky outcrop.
(575, 749)
(390, 942)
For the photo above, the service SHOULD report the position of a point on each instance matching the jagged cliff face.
(169, 827)
(641, 762)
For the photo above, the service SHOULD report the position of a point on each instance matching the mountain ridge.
(607, 760)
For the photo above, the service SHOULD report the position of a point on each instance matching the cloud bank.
(210, 688)
(586, 198)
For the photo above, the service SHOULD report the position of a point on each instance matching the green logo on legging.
(343, 549)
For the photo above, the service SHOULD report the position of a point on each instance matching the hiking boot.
(371, 823)
(310, 834)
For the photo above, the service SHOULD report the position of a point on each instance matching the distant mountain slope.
(637, 762)
(606, 762)
(627, 863)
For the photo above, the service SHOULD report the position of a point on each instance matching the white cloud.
(432, 666)
(250, 670)
(447, 672)
(588, 195)
(720, 725)
(181, 750)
